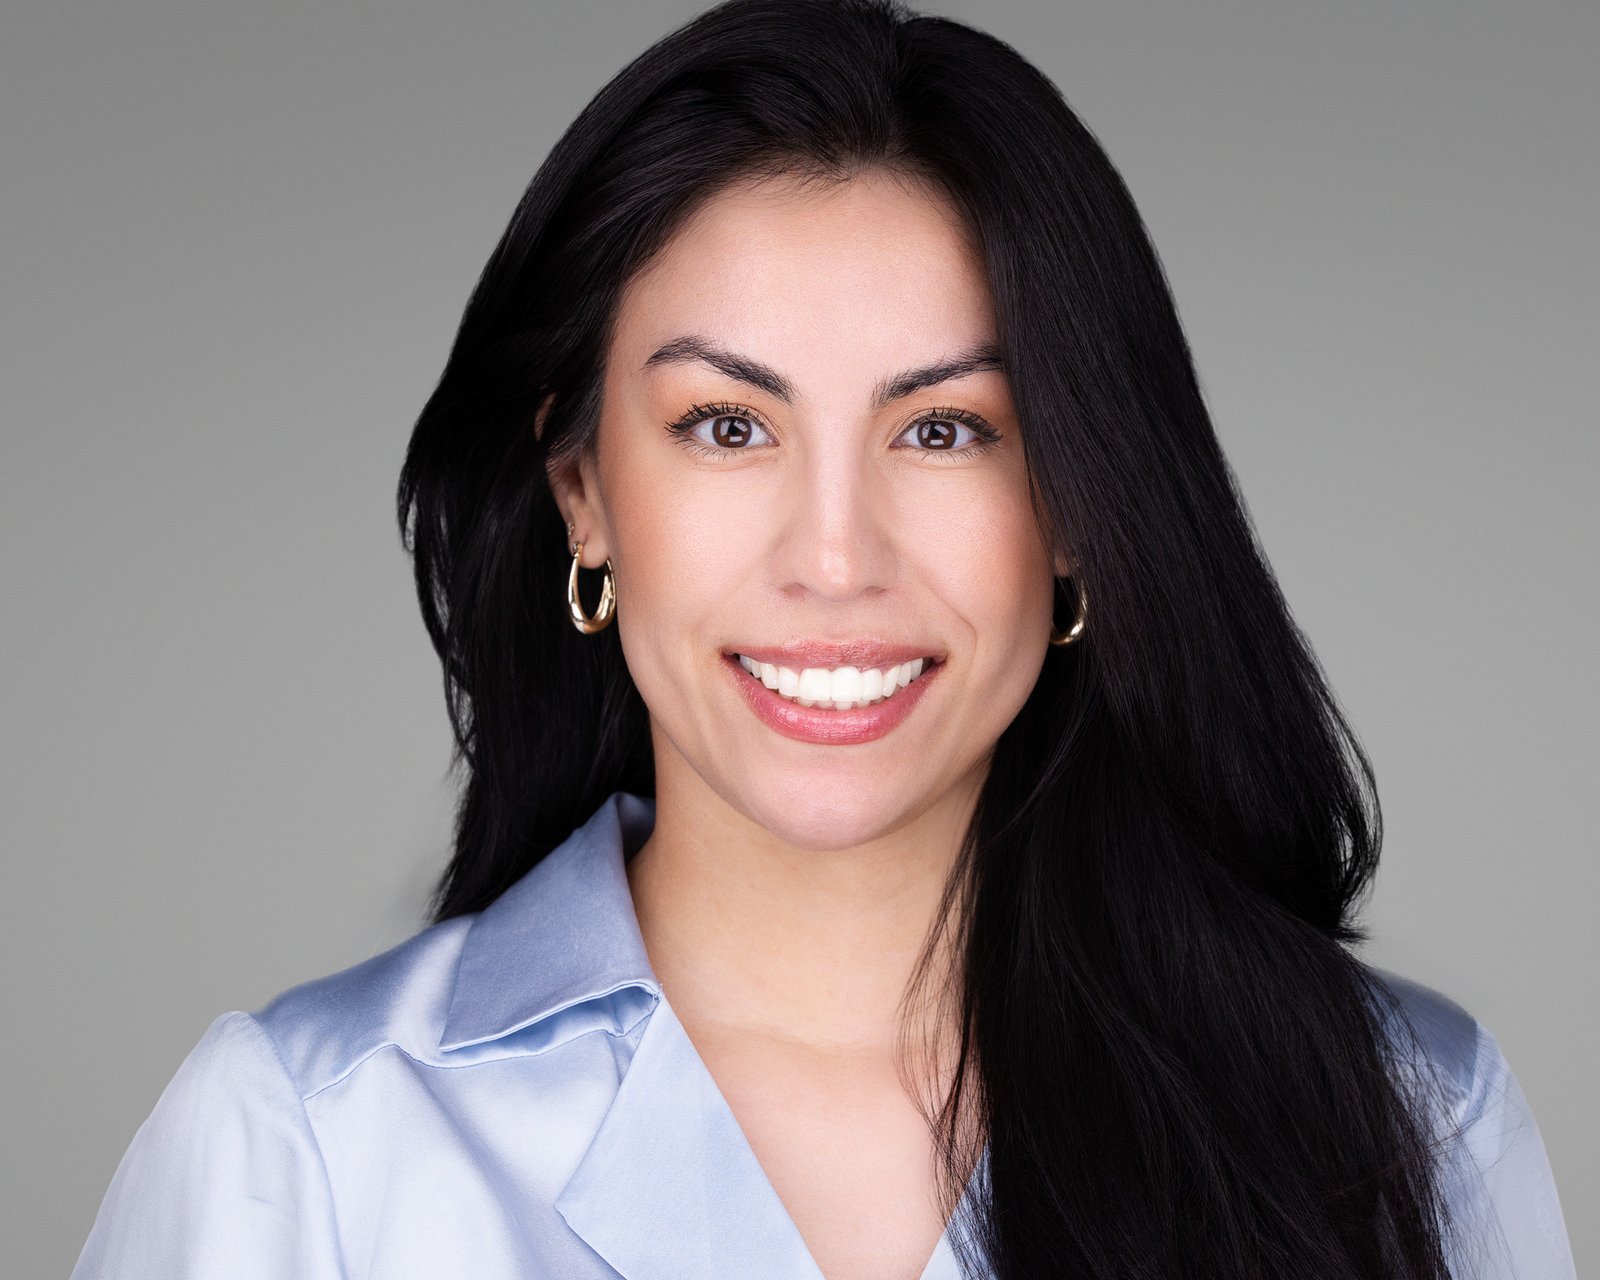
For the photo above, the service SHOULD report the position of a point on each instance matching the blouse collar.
(563, 936)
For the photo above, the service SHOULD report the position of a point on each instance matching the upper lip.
(798, 654)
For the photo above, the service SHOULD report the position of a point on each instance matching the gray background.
(235, 240)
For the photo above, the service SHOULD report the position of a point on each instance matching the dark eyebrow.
(687, 349)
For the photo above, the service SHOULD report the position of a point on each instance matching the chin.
(823, 811)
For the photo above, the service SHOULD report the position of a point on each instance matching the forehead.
(877, 270)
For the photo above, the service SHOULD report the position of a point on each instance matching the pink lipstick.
(828, 725)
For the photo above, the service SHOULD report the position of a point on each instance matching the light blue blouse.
(447, 1109)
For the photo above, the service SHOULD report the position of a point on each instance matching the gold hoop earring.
(1078, 622)
(608, 596)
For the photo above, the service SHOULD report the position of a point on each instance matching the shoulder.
(1431, 1033)
(1504, 1210)
(233, 1073)
(556, 955)
(225, 1166)
(323, 1029)
(1439, 1044)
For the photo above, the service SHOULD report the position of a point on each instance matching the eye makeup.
(985, 436)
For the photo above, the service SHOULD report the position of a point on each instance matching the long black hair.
(1177, 1065)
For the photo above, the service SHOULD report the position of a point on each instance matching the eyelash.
(988, 437)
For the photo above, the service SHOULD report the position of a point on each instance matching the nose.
(836, 527)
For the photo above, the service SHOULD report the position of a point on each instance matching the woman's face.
(814, 514)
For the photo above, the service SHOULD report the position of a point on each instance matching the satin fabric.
(509, 1095)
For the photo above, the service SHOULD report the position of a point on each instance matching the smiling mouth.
(837, 688)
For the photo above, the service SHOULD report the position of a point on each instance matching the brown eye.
(936, 433)
(730, 431)
(939, 435)
(717, 430)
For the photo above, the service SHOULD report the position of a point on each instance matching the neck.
(748, 933)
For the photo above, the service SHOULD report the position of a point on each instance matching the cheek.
(993, 567)
(681, 541)
(680, 561)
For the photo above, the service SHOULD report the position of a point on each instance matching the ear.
(1063, 565)
(576, 492)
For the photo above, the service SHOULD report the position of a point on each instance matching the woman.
(934, 851)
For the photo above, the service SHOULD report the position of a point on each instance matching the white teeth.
(815, 685)
(834, 687)
(845, 685)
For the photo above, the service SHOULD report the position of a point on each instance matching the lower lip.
(826, 724)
